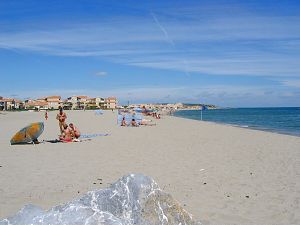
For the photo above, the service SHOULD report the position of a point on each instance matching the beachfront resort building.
(111, 103)
(101, 102)
(85, 102)
(76, 102)
(54, 102)
(10, 104)
(39, 104)
(82, 100)
(95, 103)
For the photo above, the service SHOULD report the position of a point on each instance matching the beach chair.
(138, 118)
(119, 119)
(128, 118)
(98, 112)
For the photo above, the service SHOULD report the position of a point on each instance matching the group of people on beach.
(133, 123)
(135, 119)
(68, 133)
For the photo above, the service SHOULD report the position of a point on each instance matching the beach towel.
(84, 136)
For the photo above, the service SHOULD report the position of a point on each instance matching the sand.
(220, 174)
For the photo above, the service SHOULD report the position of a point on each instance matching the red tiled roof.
(36, 103)
(53, 100)
(10, 100)
(54, 97)
(82, 96)
(112, 98)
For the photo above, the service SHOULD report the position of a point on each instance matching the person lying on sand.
(75, 133)
(147, 123)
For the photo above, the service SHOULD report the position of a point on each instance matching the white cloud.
(232, 45)
(295, 83)
(101, 73)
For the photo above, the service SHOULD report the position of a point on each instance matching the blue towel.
(92, 135)
(98, 112)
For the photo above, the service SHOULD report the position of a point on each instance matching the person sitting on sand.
(61, 117)
(134, 123)
(66, 134)
(75, 133)
(123, 123)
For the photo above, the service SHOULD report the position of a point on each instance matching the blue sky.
(228, 53)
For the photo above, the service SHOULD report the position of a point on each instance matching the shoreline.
(244, 127)
(247, 124)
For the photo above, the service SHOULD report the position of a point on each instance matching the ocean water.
(285, 120)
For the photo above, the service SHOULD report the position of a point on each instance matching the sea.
(284, 120)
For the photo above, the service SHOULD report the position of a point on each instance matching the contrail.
(186, 66)
(162, 29)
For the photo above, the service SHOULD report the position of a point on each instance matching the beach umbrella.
(28, 134)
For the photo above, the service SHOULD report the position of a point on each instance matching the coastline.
(246, 124)
(244, 127)
(208, 167)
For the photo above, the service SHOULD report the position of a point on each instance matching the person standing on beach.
(61, 117)
(46, 115)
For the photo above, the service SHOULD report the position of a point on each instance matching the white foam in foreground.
(134, 199)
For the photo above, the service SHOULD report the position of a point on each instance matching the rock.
(134, 199)
(25, 216)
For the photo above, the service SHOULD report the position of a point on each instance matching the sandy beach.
(220, 174)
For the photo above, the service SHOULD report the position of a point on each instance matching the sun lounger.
(98, 112)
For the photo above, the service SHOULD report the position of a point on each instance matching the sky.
(227, 53)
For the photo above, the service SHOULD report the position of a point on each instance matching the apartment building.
(111, 103)
(54, 102)
(10, 104)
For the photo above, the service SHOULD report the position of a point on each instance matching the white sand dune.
(220, 174)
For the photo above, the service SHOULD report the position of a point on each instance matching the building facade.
(111, 103)
(54, 102)
(10, 104)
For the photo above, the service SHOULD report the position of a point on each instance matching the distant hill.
(209, 106)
